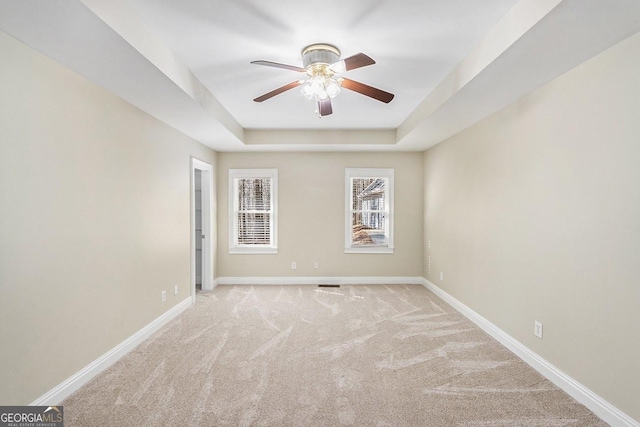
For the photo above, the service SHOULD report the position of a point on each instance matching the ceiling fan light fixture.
(332, 87)
(307, 91)
(317, 84)
(321, 87)
(323, 67)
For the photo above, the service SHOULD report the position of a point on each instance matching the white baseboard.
(582, 394)
(64, 389)
(319, 281)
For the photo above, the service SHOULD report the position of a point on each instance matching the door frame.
(208, 229)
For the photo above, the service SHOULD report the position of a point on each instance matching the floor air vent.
(328, 286)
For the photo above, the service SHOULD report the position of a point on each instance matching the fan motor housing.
(320, 53)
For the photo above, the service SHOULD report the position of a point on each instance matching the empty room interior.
(344, 213)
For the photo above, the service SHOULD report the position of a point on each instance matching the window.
(253, 211)
(369, 211)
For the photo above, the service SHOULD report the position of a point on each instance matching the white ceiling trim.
(109, 43)
(123, 20)
(514, 25)
(565, 34)
(71, 34)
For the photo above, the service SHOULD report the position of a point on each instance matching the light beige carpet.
(308, 356)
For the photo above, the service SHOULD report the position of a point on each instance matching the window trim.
(350, 173)
(253, 173)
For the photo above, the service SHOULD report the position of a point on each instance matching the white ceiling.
(415, 43)
(450, 63)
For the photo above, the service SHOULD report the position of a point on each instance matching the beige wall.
(531, 214)
(311, 216)
(534, 213)
(94, 221)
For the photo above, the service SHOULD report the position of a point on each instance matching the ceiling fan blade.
(367, 90)
(277, 91)
(279, 65)
(357, 61)
(324, 107)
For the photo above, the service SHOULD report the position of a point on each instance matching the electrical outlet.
(164, 296)
(537, 329)
(316, 265)
(441, 275)
(175, 290)
(294, 265)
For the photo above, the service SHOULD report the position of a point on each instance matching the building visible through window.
(369, 213)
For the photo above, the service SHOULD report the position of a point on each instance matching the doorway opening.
(197, 188)
(202, 230)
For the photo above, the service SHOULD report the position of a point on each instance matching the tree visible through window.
(252, 210)
(369, 210)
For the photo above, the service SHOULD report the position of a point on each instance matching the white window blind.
(252, 210)
(369, 213)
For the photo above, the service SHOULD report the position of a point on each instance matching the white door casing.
(207, 225)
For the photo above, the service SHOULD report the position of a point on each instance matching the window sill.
(368, 250)
(239, 250)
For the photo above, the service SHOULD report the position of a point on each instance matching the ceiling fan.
(323, 67)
